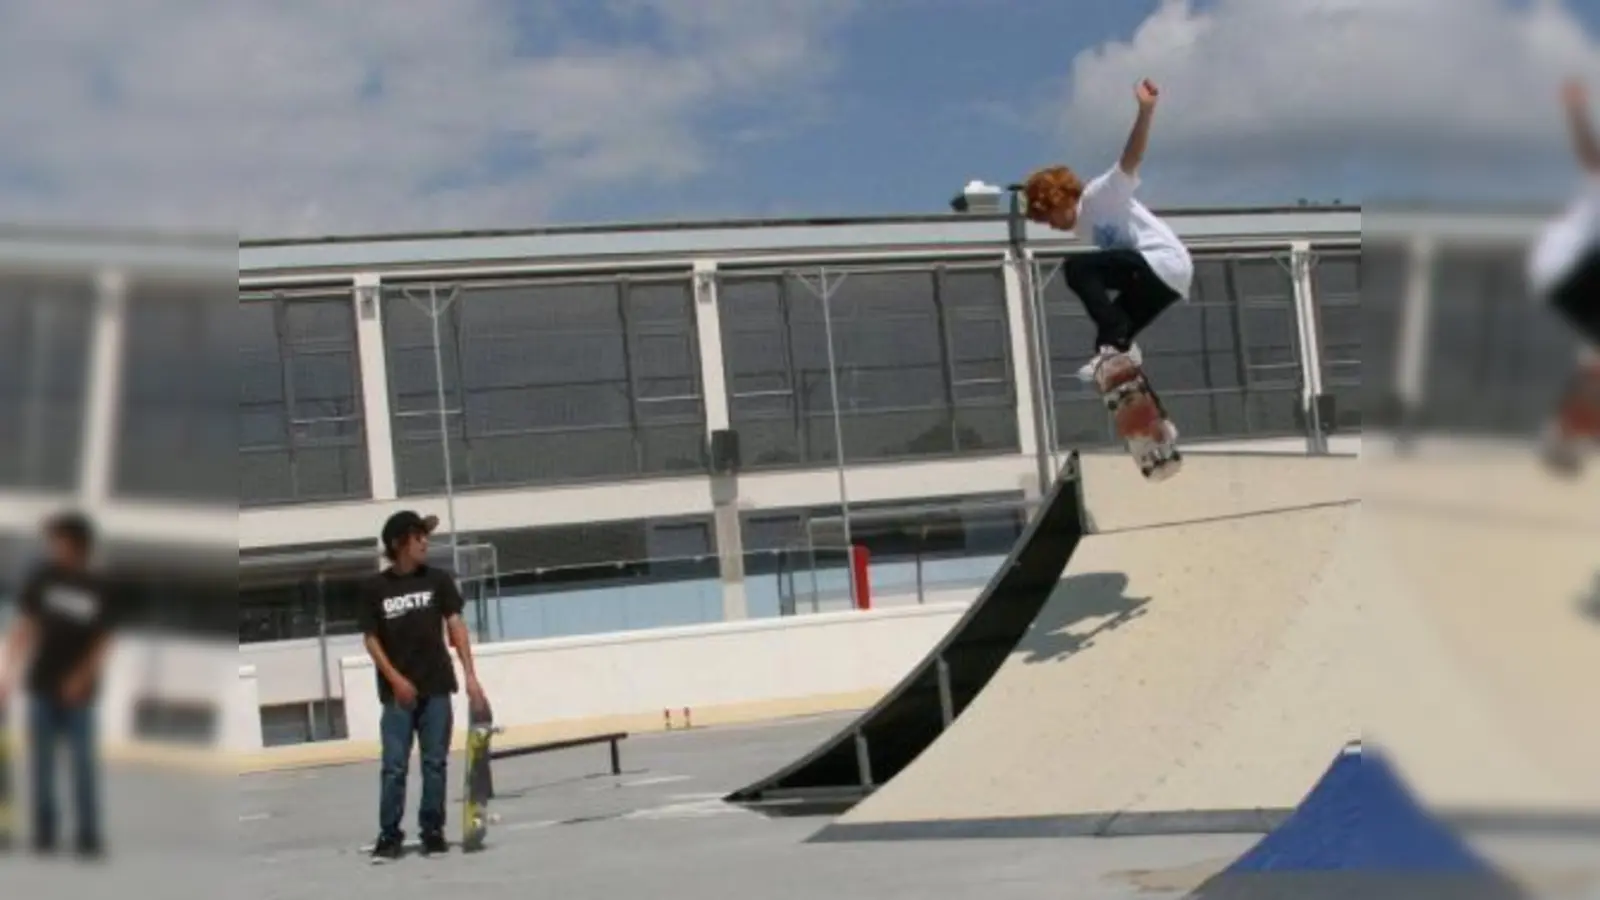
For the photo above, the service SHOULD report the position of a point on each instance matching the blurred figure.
(61, 635)
(1564, 271)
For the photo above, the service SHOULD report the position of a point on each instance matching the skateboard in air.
(1576, 427)
(1139, 417)
(7, 816)
(479, 783)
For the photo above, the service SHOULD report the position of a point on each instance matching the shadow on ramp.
(1079, 598)
(889, 736)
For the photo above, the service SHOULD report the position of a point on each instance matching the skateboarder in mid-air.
(405, 612)
(1136, 255)
(1564, 271)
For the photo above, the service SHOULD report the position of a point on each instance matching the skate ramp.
(1212, 485)
(1104, 491)
(1248, 645)
(887, 737)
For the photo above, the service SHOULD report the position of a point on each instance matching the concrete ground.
(570, 829)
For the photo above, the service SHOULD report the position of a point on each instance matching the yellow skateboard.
(479, 783)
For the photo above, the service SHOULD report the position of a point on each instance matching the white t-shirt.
(1565, 242)
(1112, 219)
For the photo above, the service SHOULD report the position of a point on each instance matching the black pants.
(1141, 294)
(1577, 298)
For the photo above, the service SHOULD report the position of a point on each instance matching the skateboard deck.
(479, 783)
(1575, 429)
(7, 808)
(1139, 418)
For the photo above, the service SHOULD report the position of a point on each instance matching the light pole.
(823, 290)
(979, 198)
(434, 310)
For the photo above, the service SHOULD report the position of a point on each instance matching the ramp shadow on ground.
(1079, 599)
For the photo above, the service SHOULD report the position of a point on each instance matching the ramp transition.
(885, 739)
(1191, 676)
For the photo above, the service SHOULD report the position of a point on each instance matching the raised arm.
(1133, 152)
(1583, 138)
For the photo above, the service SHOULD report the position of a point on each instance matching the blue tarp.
(1361, 817)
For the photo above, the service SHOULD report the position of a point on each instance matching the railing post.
(863, 761)
(947, 703)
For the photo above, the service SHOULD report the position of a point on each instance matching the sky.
(287, 118)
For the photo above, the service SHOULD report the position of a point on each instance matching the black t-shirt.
(407, 614)
(72, 615)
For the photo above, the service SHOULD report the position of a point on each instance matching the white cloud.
(340, 115)
(1398, 93)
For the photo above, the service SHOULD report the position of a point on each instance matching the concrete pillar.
(367, 297)
(1030, 403)
(724, 488)
(98, 462)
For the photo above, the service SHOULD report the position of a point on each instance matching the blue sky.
(291, 118)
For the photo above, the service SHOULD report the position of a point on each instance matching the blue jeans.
(430, 723)
(51, 723)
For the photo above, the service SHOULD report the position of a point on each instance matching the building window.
(1495, 360)
(1383, 270)
(544, 382)
(1227, 362)
(301, 428)
(1336, 290)
(922, 356)
(46, 325)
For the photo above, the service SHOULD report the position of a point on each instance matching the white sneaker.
(1086, 372)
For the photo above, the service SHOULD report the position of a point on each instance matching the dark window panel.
(171, 404)
(1496, 361)
(923, 364)
(46, 326)
(300, 418)
(1227, 361)
(547, 382)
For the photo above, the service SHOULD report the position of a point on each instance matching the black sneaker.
(433, 843)
(90, 849)
(387, 848)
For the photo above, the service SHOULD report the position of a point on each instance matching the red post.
(859, 561)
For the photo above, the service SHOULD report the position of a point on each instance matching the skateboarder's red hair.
(1051, 189)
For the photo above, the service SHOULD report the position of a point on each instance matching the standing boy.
(63, 631)
(406, 611)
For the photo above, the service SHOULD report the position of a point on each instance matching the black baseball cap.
(405, 523)
(72, 525)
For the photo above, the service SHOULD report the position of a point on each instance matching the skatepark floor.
(659, 830)
(569, 828)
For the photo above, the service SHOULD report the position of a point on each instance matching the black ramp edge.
(1078, 825)
(1353, 885)
(910, 716)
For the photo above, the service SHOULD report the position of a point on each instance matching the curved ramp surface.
(887, 737)
(1243, 649)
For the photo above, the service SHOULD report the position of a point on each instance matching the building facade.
(587, 379)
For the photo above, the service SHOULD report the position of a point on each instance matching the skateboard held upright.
(1575, 429)
(1140, 420)
(479, 785)
(7, 815)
